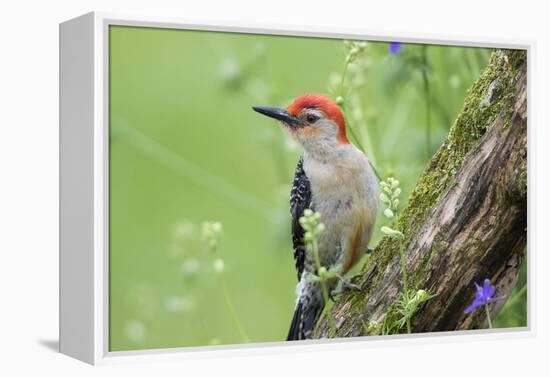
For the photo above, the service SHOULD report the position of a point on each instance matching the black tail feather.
(294, 333)
(305, 318)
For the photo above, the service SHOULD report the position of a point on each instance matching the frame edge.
(76, 188)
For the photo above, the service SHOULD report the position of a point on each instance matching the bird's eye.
(310, 118)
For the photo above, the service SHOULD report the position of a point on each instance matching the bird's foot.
(345, 286)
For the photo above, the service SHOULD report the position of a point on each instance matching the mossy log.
(466, 219)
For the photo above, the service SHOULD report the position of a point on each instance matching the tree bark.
(465, 221)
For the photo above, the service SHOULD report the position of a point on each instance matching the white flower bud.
(421, 295)
(372, 326)
(217, 227)
(229, 69)
(134, 330)
(218, 265)
(391, 232)
(190, 267)
(395, 204)
(320, 228)
(388, 213)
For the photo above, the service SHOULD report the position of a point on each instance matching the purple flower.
(484, 295)
(395, 47)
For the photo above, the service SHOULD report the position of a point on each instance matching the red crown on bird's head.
(326, 105)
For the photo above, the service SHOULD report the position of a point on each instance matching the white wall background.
(29, 184)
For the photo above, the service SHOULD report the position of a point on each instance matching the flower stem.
(325, 312)
(488, 316)
(232, 310)
(343, 78)
(426, 85)
(404, 273)
(341, 93)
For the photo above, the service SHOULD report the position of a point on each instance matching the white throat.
(325, 151)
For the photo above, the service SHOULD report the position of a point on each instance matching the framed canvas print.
(226, 187)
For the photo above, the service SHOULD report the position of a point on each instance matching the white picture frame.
(84, 156)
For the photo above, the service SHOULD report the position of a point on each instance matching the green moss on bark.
(490, 96)
(487, 98)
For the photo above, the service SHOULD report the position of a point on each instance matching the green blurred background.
(186, 148)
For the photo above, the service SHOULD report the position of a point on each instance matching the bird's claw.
(346, 286)
(349, 286)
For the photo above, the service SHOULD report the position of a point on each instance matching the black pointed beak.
(279, 114)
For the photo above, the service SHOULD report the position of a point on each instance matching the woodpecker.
(336, 179)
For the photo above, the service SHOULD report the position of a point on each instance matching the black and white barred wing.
(300, 199)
